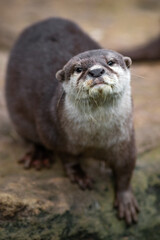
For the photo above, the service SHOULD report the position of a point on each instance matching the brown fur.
(36, 102)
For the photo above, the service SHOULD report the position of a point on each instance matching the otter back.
(40, 51)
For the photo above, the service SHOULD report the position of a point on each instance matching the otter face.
(96, 76)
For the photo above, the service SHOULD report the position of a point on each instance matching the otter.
(68, 96)
(145, 53)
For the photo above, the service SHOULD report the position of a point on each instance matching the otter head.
(96, 77)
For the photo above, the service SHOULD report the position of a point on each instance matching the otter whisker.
(95, 101)
(78, 93)
(137, 75)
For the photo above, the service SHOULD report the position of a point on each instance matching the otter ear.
(127, 61)
(60, 75)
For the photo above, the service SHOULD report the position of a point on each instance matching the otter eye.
(110, 63)
(78, 70)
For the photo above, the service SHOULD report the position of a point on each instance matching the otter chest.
(98, 131)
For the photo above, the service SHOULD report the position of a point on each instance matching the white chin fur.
(100, 90)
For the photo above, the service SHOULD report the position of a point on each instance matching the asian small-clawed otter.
(69, 99)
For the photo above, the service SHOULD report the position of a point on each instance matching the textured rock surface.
(44, 205)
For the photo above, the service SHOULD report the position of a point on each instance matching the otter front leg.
(74, 171)
(124, 198)
(125, 201)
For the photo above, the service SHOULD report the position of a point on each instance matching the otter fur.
(149, 51)
(68, 96)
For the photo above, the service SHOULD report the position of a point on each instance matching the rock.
(45, 205)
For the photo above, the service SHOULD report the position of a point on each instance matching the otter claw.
(38, 158)
(77, 175)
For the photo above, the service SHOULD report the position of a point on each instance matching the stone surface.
(44, 205)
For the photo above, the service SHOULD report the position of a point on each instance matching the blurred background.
(114, 24)
(122, 24)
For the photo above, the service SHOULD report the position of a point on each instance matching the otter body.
(39, 53)
(147, 52)
(67, 98)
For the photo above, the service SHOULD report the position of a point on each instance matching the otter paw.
(77, 175)
(38, 158)
(127, 206)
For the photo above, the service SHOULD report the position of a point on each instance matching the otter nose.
(96, 72)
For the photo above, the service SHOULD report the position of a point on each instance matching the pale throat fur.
(108, 122)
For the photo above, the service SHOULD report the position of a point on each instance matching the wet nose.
(96, 72)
